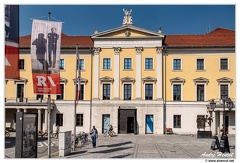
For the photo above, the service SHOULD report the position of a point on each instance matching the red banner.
(45, 56)
(12, 42)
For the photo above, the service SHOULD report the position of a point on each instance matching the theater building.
(137, 80)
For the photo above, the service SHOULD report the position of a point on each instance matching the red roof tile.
(66, 41)
(218, 37)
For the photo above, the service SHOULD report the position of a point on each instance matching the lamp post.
(224, 144)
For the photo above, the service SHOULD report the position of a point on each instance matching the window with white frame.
(200, 64)
(177, 92)
(224, 91)
(224, 64)
(148, 63)
(148, 91)
(127, 92)
(61, 64)
(176, 64)
(20, 92)
(177, 121)
(200, 92)
(106, 91)
(81, 66)
(79, 119)
(106, 63)
(127, 63)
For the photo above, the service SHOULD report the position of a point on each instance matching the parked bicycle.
(83, 136)
(41, 133)
(7, 134)
(55, 135)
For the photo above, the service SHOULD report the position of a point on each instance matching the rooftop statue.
(127, 18)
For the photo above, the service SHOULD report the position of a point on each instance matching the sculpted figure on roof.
(127, 18)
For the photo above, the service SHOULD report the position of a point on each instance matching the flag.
(78, 76)
(45, 56)
(12, 42)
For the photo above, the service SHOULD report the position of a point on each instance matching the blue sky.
(174, 19)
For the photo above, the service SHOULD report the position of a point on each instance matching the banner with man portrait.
(45, 56)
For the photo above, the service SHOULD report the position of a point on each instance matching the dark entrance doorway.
(127, 122)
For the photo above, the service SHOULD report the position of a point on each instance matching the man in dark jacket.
(52, 47)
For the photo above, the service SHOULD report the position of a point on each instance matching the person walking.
(94, 136)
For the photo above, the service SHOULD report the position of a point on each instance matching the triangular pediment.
(149, 79)
(201, 80)
(127, 79)
(83, 80)
(177, 80)
(106, 79)
(224, 80)
(127, 31)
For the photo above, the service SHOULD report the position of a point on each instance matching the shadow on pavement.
(121, 156)
(116, 145)
(111, 150)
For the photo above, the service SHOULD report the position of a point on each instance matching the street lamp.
(224, 144)
(212, 104)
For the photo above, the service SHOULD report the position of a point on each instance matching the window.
(106, 92)
(21, 64)
(127, 63)
(60, 97)
(200, 92)
(79, 120)
(61, 64)
(59, 119)
(148, 91)
(148, 63)
(81, 64)
(39, 97)
(224, 91)
(224, 64)
(81, 91)
(106, 63)
(177, 121)
(201, 121)
(177, 92)
(20, 92)
(127, 91)
(177, 64)
(200, 64)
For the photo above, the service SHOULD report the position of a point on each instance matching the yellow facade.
(211, 72)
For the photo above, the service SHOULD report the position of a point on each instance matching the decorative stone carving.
(139, 50)
(97, 50)
(127, 33)
(117, 50)
(159, 50)
(127, 18)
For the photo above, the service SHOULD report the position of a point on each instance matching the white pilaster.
(116, 72)
(159, 73)
(139, 73)
(96, 73)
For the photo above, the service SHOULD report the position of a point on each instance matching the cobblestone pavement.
(152, 146)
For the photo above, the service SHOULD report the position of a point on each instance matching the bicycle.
(55, 135)
(7, 134)
(42, 134)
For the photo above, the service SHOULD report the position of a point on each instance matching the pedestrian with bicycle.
(94, 136)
